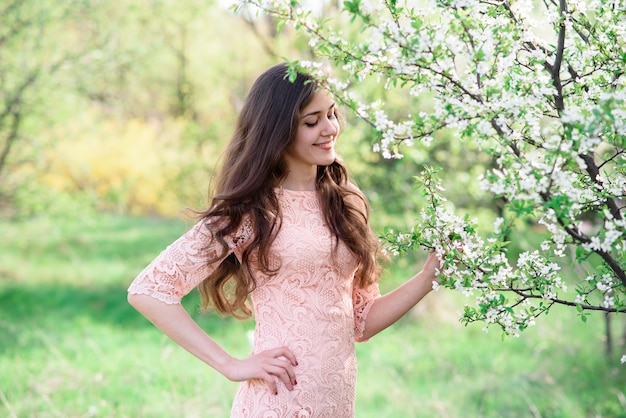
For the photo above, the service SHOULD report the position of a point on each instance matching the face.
(315, 139)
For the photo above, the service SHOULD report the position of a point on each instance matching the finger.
(271, 383)
(281, 373)
(285, 352)
(291, 373)
(288, 365)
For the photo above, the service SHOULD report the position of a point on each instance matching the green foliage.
(39, 43)
(131, 103)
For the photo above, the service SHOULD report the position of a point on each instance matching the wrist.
(425, 280)
(224, 365)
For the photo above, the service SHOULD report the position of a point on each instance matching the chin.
(328, 162)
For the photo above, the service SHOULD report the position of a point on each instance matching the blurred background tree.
(117, 106)
(126, 107)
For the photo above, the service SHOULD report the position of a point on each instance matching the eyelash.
(331, 116)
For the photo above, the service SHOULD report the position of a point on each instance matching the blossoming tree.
(542, 90)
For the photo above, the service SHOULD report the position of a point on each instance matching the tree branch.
(594, 171)
(618, 152)
(11, 109)
(563, 302)
(555, 68)
(10, 140)
(18, 24)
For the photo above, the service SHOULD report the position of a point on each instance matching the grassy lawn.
(70, 345)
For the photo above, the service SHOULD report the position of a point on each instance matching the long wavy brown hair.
(253, 167)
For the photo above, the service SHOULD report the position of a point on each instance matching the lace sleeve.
(362, 300)
(184, 264)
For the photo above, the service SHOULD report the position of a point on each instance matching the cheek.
(305, 137)
(298, 146)
(302, 135)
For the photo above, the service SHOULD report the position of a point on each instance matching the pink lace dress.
(310, 306)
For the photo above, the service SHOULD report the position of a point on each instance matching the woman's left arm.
(389, 308)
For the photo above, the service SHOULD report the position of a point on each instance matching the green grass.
(70, 345)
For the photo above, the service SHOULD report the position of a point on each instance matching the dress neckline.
(297, 191)
(303, 196)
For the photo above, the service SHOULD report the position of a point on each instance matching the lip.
(328, 145)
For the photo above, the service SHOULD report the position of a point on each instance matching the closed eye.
(331, 116)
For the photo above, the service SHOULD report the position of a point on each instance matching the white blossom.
(486, 83)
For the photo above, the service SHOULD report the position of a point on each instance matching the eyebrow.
(315, 112)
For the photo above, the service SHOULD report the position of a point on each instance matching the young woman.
(289, 231)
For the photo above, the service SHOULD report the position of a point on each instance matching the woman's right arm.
(174, 321)
(156, 293)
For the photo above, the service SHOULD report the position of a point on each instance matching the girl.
(289, 231)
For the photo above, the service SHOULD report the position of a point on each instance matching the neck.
(298, 188)
(300, 184)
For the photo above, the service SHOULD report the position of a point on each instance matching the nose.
(331, 128)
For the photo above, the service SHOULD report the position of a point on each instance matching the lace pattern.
(362, 300)
(183, 264)
(310, 306)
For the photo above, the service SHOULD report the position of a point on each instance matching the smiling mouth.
(325, 145)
